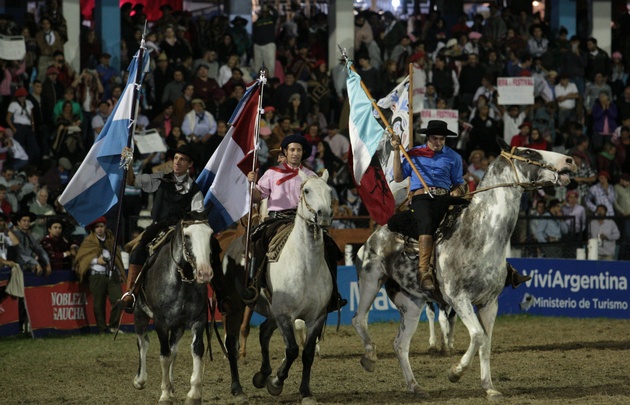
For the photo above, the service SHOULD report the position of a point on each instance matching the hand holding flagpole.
(387, 126)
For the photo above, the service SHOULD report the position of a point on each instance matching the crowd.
(200, 68)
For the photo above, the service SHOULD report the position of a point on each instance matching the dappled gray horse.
(175, 296)
(470, 261)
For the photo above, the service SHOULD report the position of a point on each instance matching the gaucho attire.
(55, 247)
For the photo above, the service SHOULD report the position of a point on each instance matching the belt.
(433, 190)
(98, 272)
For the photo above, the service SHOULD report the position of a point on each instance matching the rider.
(281, 186)
(175, 195)
(441, 169)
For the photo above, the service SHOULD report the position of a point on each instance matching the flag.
(224, 179)
(94, 188)
(375, 192)
(365, 131)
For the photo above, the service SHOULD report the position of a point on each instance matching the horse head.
(536, 168)
(315, 205)
(196, 237)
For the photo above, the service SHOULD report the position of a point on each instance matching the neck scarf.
(423, 152)
(286, 169)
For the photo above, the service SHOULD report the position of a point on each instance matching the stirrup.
(422, 280)
(125, 305)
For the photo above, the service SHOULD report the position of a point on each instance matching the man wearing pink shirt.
(280, 185)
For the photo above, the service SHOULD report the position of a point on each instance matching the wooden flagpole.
(410, 102)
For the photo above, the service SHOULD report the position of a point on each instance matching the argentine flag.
(365, 131)
(224, 179)
(94, 188)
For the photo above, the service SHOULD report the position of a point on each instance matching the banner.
(515, 90)
(451, 118)
(149, 141)
(12, 47)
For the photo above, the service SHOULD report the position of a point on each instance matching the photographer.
(94, 259)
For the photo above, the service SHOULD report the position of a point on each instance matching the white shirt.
(568, 104)
(21, 116)
(510, 125)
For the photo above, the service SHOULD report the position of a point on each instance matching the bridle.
(312, 222)
(186, 254)
(528, 185)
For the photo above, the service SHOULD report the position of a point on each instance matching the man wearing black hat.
(30, 254)
(176, 194)
(281, 186)
(441, 169)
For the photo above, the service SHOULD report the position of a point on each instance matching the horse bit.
(186, 254)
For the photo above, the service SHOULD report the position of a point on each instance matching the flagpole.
(410, 102)
(127, 154)
(249, 272)
(387, 126)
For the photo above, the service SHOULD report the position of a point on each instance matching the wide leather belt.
(433, 190)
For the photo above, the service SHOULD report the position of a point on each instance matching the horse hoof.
(241, 399)
(420, 393)
(494, 395)
(453, 376)
(309, 401)
(368, 364)
(137, 384)
(433, 351)
(445, 352)
(274, 389)
(191, 401)
(260, 380)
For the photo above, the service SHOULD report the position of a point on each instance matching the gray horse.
(470, 259)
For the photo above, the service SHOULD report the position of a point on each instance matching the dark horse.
(175, 295)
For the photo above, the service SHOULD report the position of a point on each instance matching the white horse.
(299, 286)
(470, 260)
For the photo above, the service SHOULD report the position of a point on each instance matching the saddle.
(153, 246)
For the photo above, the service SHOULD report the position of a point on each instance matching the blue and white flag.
(224, 179)
(365, 131)
(94, 188)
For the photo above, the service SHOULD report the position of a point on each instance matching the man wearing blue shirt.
(441, 169)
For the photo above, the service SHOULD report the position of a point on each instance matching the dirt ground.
(534, 361)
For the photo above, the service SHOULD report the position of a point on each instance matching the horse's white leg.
(466, 312)
(166, 363)
(369, 285)
(487, 316)
(196, 379)
(447, 323)
(410, 310)
(431, 321)
(140, 379)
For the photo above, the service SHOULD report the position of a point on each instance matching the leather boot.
(513, 277)
(336, 302)
(425, 277)
(128, 300)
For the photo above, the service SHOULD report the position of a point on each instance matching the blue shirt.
(443, 170)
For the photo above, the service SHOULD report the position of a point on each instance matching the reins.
(185, 253)
(531, 185)
(310, 222)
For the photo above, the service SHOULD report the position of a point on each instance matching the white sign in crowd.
(515, 90)
(12, 47)
(451, 118)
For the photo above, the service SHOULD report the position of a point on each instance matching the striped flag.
(94, 188)
(224, 179)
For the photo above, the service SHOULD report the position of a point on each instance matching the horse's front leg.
(308, 355)
(431, 321)
(369, 286)
(292, 349)
(196, 350)
(232, 324)
(466, 312)
(266, 331)
(487, 316)
(410, 309)
(447, 317)
(141, 323)
(166, 363)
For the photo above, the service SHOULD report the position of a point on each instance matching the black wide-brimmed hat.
(183, 149)
(21, 214)
(306, 147)
(437, 127)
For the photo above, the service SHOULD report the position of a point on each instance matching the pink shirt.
(282, 196)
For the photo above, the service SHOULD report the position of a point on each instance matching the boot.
(425, 277)
(336, 302)
(128, 300)
(513, 277)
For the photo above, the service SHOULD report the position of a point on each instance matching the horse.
(470, 260)
(298, 286)
(175, 295)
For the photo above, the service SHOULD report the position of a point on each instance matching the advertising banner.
(515, 90)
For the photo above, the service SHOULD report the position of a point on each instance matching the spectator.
(94, 259)
(59, 250)
(175, 50)
(445, 80)
(100, 118)
(204, 86)
(597, 60)
(566, 94)
(484, 133)
(52, 91)
(88, 93)
(537, 44)
(21, 121)
(13, 186)
(286, 90)
(5, 205)
(572, 208)
(11, 149)
(183, 105)
(30, 254)
(225, 71)
(209, 60)
(536, 140)
(392, 34)
(550, 230)
(57, 177)
(604, 119)
(241, 37)
(430, 97)
(42, 209)
(68, 96)
(622, 208)
(339, 144)
(513, 120)
(48, 41)
(68, 141)
(295, 111)
(67, 74)
(263, 36)
(370, 76)
(606, 233)
(199, 126)
(470, 79)
(593, 91)
(601, 193)
(107, 75)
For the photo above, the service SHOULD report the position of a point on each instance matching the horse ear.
(325, 175)
(502, 144)
(303, 175)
